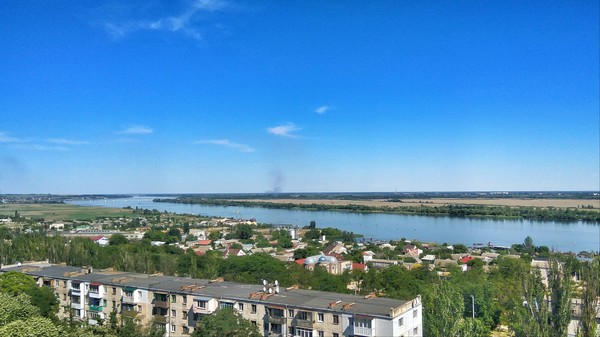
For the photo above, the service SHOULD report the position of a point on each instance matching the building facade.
(178, 303)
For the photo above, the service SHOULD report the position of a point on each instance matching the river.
(563, 236)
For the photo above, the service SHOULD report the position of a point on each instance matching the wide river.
(563, 236)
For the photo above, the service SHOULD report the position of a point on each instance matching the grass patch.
(63, 211)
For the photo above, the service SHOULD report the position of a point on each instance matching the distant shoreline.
(530, 209)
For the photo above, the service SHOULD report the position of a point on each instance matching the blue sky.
(293, 96)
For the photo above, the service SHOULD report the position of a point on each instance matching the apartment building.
(178, 303)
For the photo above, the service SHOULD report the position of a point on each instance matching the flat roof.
(293, 298)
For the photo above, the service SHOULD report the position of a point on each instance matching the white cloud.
(227, 143)
(285, 130)
(38, 147)
(182, 23)
(322, 109)
(136, 130)
(66, 141)
(6, 138)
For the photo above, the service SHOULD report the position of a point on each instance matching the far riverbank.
(573, 236)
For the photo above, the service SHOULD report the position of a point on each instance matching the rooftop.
(290, 297)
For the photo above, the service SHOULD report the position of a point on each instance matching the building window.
(114, 291)
(273, 312)
(362, 323)
(320, 317)
(184, 300)
(304, 332)
(336, 319)
(241, 306)
(304, 315)
(253, 308)
(335, 334)
(415, 331)
(186, 330)
(253, 322)
(139, 308)
(223, 305)
(201, 304)
(173, 328)
(291, 330)
(321, 334)
(415, 313)
(173, 298)
(173, 313)
(290, 312)
(401, 321)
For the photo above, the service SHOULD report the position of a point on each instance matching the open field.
(63, 211)
(559, 203)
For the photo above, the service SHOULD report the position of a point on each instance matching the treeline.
(529, 213)
(398, 195)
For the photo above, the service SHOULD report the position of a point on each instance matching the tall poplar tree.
(443, 310)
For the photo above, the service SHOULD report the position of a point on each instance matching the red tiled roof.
(466, 259)
(359, 266)
(204, 242)
(300, 261)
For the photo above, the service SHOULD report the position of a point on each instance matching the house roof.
(466, 259)
(359, 266)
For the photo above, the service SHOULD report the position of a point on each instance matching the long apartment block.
(178, 303)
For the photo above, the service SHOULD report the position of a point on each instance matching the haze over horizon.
(220, 96)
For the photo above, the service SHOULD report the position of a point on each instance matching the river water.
(563, 236)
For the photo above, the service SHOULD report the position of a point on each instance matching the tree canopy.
(225, 323)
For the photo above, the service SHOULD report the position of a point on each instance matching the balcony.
(94, 294)
(78, 306)
(160, 304)
(276, 319)
(129, 313)
(160, 319)
(127, 299)
(200, 310)
(303, 323)
(362, 331)
(75, 292)
(92, 307)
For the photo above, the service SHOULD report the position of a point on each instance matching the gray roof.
(293, 298)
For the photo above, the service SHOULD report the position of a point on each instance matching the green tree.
(243, 232)
(531, 318)
(559, 283)
(312, 234)
(225, 323)
(591, 280)
(528, 246)
(118, 239)
(442, 310)
(13, 308)
(31, 327)
(43, 298)
(473, 328)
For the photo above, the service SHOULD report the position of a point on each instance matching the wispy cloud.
(227, 143)
(184, 22)
(66, 141)
(323, 109)
(285, 130)
(38, 147)
(136, 130)
(6, 138)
